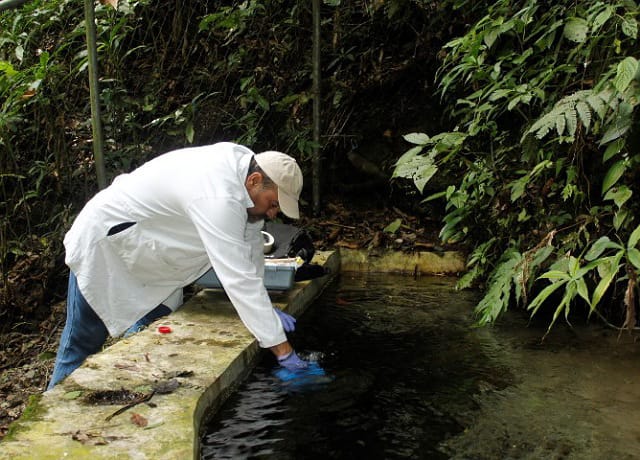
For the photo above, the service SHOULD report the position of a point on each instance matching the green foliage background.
(174, 74)
(519, 118)
(543, 156)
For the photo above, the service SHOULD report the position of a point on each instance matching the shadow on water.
(411, 378)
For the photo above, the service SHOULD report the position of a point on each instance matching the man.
(137, 243)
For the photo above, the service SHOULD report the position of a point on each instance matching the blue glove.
(288, 321)
(298, 374)
(292, 362)
(313, 373)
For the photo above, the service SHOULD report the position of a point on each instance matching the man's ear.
(253, 179)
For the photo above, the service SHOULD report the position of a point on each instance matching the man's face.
(265, 199)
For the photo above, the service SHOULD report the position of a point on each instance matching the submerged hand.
(300, 374)
(288, 321)
(292, 362)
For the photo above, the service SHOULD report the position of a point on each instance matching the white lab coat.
(190, 212)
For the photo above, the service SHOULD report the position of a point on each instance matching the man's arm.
(282, 349)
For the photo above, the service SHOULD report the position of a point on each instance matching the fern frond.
(597, 105)
(572, 120)
(577, 107)
(501, 282)
(584, 113)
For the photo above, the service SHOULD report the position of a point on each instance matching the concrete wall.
(414, 263)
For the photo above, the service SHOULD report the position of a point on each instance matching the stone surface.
(417, 263)
(192, 370)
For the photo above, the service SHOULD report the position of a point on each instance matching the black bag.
(290, 241)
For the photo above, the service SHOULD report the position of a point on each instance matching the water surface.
(412, 378)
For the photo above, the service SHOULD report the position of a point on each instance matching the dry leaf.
(113, 3)
(630, 303)
(126, 366)
(28, 94)
(139, 420)
(91, 439)
(345, 244)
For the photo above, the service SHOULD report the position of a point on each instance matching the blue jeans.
(84, 332)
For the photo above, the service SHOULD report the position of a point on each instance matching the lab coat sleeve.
(175, 300)
(231, 247)
(256, 240)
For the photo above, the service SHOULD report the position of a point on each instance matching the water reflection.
(413, 379)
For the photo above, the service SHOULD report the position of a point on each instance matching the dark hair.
(266, 180)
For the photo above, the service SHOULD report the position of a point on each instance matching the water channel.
(412, 378)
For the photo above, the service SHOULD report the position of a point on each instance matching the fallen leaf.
(72, 394)
(345, 244)
(155, 425)
(166, 386)
(139, 420)
(87, 438)
(113, 3)
(28, 94)
(174, 374)
(128, 367)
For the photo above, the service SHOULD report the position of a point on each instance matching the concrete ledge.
(191, 370)
(387, 261)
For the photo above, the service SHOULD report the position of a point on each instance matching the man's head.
(274, 183)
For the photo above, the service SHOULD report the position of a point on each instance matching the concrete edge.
(198, 365)
(414, 263)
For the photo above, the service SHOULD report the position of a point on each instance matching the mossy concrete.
(413, 263)
(193, 369)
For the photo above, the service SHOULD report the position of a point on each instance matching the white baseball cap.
(286, 174)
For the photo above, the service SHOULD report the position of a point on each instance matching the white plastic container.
(279, 275)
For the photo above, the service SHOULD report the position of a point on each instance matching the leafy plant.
(543, 98)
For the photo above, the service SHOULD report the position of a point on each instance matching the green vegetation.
(33, 411)
(542, 155)
(533, 162)
(169, 77)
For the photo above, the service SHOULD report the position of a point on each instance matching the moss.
(33, 411)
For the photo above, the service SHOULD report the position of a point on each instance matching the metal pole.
(317, 161)
(94, 92)
(6, 4)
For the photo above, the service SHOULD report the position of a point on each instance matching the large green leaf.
(583, 291)
(602, 18)
(7, 68)
(543, 295)
(625, 73)
(620, 195)
(630, 25)
(613, 149)
(601, 245)
(555, 275)
(614, 173)
(633, 256)
(619, 218)
(423, 175)
(576, 30)
(634, 238)
(416, 138)
(608, 267)
(393, 226)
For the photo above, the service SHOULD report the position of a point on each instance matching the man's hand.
(288, 321)
(298, 374)
(292, 362)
